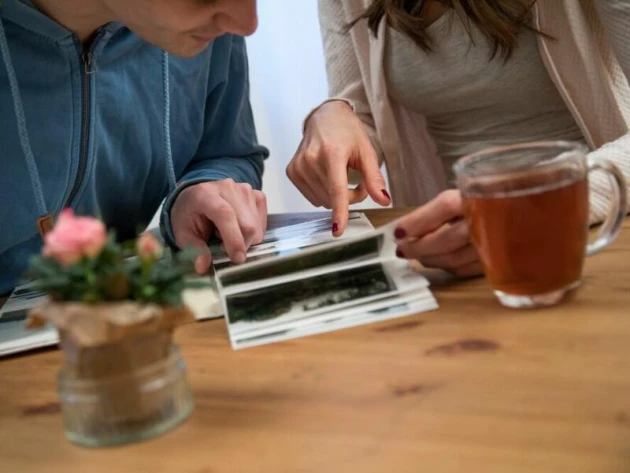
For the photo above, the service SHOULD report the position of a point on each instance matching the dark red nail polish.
(335, 228)
(400, 233)
(386, 194)
(399, 254)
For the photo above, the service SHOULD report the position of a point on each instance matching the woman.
(419, 83)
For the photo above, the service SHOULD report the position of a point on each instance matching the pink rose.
(73, 237)
(149, 247)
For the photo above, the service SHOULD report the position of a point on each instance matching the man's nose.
(240, 17)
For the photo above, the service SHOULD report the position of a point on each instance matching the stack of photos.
(327, 287)
(293, 239)
(282, 241)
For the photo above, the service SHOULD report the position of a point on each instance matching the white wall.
(288, 78)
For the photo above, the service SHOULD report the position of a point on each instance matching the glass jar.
(115, 410)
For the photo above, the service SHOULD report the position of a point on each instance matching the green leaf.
(149, 291)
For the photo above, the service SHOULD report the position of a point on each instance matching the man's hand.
(437, 235)
(334, 141)
(236, 212)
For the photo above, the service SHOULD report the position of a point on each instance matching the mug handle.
(619, 205)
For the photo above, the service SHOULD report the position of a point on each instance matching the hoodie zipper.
(87, 54)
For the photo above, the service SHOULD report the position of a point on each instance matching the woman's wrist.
(329, 106)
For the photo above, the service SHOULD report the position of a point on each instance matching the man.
(109, 106)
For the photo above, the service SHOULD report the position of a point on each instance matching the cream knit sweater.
(586, 60)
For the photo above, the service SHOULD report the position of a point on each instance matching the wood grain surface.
(472, 387)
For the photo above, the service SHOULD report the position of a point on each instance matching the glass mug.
(527, 209)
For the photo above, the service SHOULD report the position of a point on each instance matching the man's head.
(184, 27)
(181, 27)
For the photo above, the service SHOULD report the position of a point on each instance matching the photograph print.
(294, 299)
(352, 251)
(360, 315)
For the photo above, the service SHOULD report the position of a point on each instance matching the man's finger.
(223, 215)
(428, 218)
(261, 205)
(249, 223)
(247, 214)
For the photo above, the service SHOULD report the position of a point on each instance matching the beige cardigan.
(586, 60)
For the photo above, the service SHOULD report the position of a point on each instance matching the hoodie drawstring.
(172, 180)
(44, 222)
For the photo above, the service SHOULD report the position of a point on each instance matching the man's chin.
(188, 48)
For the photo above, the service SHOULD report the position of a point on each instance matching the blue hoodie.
(109, 129)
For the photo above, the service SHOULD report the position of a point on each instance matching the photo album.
(321, 287)
(298, 281)
(276, 242)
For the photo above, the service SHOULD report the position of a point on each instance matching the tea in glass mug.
(527, 209)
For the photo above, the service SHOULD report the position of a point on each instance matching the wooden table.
(472, 387)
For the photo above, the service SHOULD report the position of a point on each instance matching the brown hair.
(499, 20)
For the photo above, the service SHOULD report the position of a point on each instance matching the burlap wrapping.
(112, 345)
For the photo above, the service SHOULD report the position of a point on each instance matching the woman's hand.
(437, 235)
(334, 141)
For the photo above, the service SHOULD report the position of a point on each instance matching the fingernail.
(399, 233)
(386, 194)
(239, 257)
(335, 228)
(400, 254)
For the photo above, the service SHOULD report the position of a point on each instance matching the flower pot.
(123, 379)
(135, 405)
